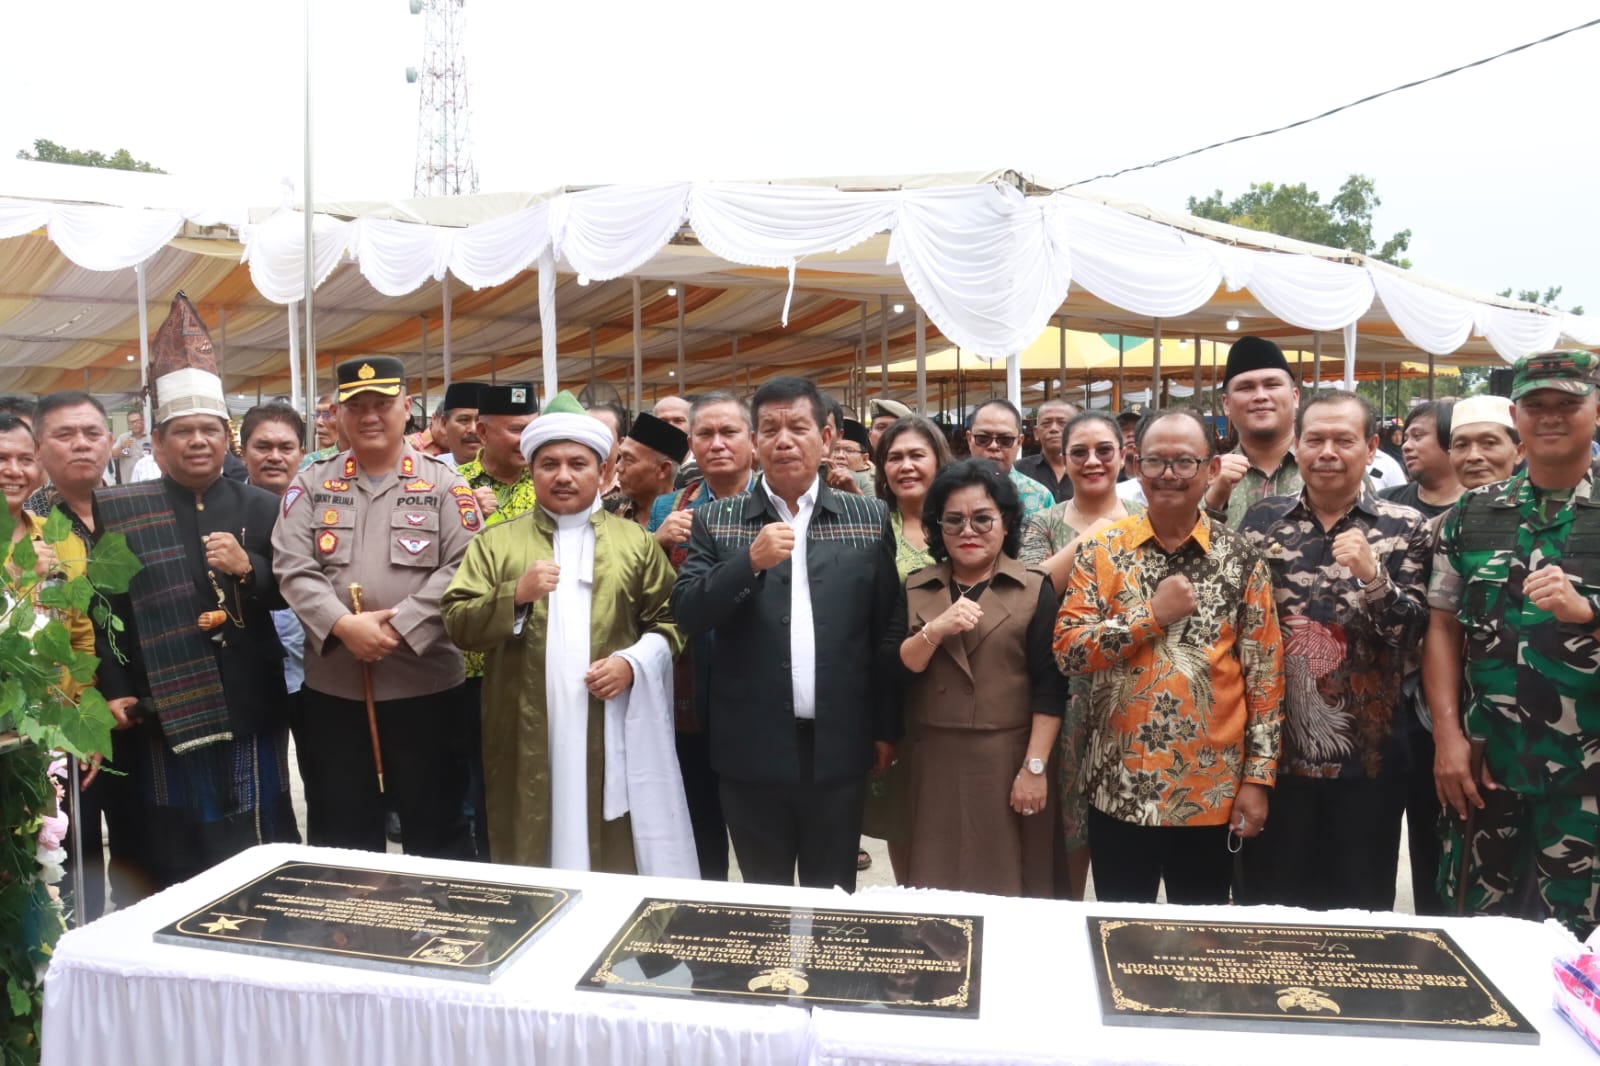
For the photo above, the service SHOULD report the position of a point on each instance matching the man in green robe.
(569, 604)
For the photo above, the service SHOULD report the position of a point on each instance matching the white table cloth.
(1040, 1003)
(113, 993)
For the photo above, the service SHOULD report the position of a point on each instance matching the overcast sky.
(1494, 169)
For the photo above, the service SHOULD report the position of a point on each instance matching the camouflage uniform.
(1256, 486)
(1532, 692)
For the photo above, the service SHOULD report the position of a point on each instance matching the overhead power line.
(1341, 107)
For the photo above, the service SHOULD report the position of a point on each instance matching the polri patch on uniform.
(350, 466)
(294, 493)
(408, 466)
(419, 485)
(334, 484)
(460, 490)
(413, 518)
(414, 545)
(327, 541)
(330, 516)
(469, 518)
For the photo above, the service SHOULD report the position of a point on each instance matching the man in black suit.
(794, 583)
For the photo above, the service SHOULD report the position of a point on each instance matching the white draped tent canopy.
(684, 285)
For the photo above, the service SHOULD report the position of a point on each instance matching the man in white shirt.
(794, 583)
(131, 447)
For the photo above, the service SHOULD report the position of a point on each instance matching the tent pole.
(922, 362)
(638, 348)
(1122, 385)
(425, 366)
(1061, 334)
(961, 390)
(1383, 386)
(444, 290)
(1430, 375)
(144, 341)
(859, 378)
(547, 321)
(591, 354)
(733, 375)
(294, 362)
(883, 346)
(1155, 368)
(1214, 398)
(1197, 342)
(1014, 379)
(425, 387)
(1316, 360)
(307, 207)
(222, 348)
(1350, 358)
(683, 384)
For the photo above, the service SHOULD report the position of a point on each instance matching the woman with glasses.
(1094, 457)
(910, 453)
(983, 699)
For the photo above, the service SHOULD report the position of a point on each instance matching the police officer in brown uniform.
(396, 522)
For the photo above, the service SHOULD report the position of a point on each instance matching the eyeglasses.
(987, 440)
(1103, 452)
(325, 414)
(953, 524)
(1183, 467)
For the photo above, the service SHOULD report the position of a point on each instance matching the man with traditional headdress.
(194, 673)
(570, 606)
(386, 520)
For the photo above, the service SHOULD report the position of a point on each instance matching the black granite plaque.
(1350, 980)
(859, 960)
(408, 923)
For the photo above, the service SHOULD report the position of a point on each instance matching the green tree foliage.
(1344, 221)
(1547, 298)
(47, 718)
(50, 152)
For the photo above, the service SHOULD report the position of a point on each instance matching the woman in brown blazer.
(983, 698)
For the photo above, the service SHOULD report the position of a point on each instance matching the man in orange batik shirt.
(1171, 614)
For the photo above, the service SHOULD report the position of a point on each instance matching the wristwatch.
(1034, 766)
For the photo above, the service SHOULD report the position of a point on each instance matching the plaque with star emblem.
(459, 928)
(1322, 979)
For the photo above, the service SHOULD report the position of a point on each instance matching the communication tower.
(444, 118)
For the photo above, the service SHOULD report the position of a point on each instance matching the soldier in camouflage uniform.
(1516, 594)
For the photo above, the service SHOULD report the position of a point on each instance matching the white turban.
(561, 425)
